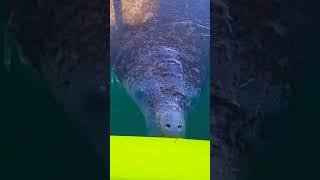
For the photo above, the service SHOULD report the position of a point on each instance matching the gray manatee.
(160, 53)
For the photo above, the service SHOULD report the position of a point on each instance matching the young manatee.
(160, 54)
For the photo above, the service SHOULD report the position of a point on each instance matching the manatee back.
(197, 12)
(130, 17)
(139, 13)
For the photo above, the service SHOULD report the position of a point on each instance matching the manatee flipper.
(113, 77)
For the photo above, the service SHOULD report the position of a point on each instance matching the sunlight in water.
(134, 12)
(112, 15)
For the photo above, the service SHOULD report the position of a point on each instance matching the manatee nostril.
(168, 125)
(179, 126)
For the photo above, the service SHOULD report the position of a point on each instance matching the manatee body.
(160, 54)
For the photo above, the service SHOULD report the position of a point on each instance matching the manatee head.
(160, 103)
(161, 87)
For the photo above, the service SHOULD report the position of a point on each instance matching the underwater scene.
(160, 89)
(160, 68)
(57, 81)
(37, 133)
(39, 138)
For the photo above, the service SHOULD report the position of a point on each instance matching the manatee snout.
(164, 114)
(171, 123)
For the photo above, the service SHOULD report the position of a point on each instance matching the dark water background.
(293, 153)
(37, 138)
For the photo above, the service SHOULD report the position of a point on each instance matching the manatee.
(160, 53)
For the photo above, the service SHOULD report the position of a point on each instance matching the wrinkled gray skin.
(164, 63)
